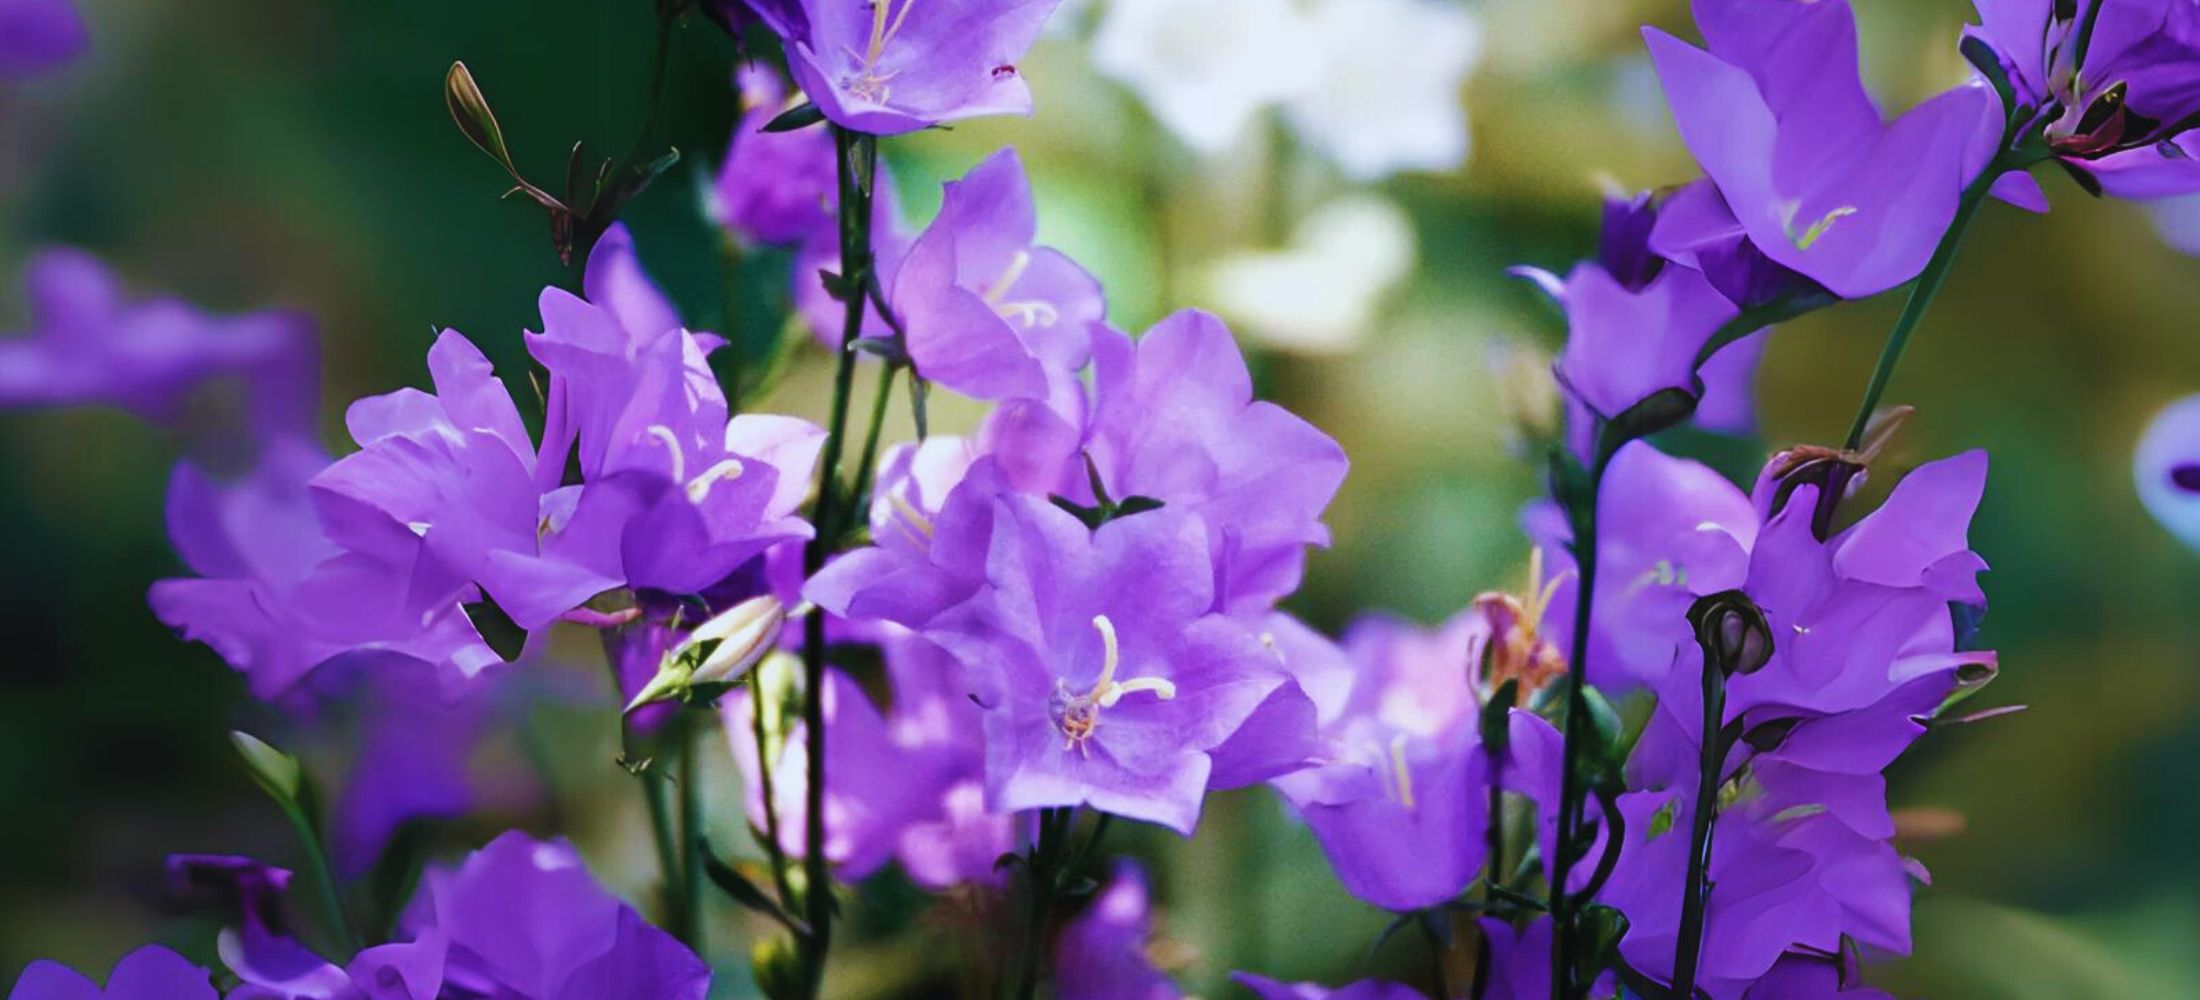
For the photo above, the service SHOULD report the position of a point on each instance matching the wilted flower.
(891, 66)
(719, 651)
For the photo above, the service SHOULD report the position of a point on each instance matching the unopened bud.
(718, 651)
(1732, 632)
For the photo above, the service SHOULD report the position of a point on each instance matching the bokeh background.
(245, 153)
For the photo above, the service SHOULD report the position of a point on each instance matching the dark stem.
(1042, 874)
(1438, 981)
(858, 160)
(1696, 892)
(1921, 297)
(661, 824)
(1577, 721)
(329, 894)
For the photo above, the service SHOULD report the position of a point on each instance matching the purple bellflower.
(1102, 953)
(1626, 345)
(39, 36)
(1107, 679)
(895, 66)
(2166, 468)
(987, 312)
(775, 188)
(149, 973)
(1778, 118)
(89, 343)
(2119, 81)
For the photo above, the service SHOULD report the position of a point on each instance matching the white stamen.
(663, 435)
(699, 488)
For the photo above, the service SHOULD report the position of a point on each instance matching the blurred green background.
(243, 153)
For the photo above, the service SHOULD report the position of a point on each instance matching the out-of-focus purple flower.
(523, 917)
(873, 789)
(149, 973)
(1371, 989)
(39, 36)
(2120, 78)
(1106, 678)
(2166, 468)
(953, 840)
(1102, 953)
(245, 890)
(90, 344)
(1778, 117)
(895, 66)
(1622, 346)
(277, 599)
(777, 188)
(820, 252)
(987, 312)
(1669, 531)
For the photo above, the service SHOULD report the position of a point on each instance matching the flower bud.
(1732, 632)
(718, 651)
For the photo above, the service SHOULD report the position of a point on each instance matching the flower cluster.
(1657, 766)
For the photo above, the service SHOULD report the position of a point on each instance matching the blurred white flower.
(1205, 68)
(1388, 96)
(2178, 220)
(1319, 295)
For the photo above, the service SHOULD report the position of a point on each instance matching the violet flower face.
(149, 973)
(1372, 989)
(775, 188)
(1101, 954)
(1778, 118)
(1669, 530)
(1106, 679)
(523, 917)
(2166, 468)
(2121, 94)
(987, 312)
(39, 36)
(89, 343)
(896, 66)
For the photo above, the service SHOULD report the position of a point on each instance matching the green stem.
(1042, 874)
(764, 767)
(858, 162)
(661, 823)
(1921, 297)
(1437, 977)
(867, 464)
(330, 897)
(1696, 893)
(1577, 720)
(691, 833)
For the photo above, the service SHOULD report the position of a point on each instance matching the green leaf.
(801, 116)
(743, 891)
(470, 111)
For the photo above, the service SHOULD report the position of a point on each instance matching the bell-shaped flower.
(1624, 346)
(987, 312)
(1777, 115)
(895, 66)
(2118, 82)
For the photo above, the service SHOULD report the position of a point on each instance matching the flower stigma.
(1078, 715)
